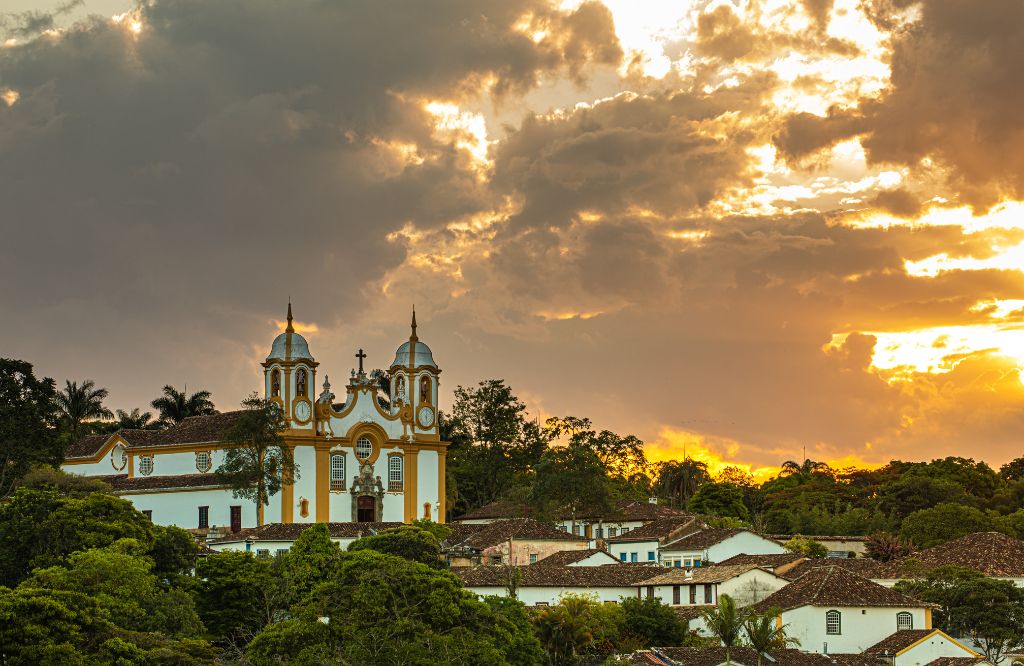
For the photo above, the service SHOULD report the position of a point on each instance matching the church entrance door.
(364, 510)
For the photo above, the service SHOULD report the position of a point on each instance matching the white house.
(628, 515)
(270, 540)
(516, 541)
(643, 543)
(592, 557)
(715, 545)
(918, 647)
(830, 610)
(747, 584)
(545, 585)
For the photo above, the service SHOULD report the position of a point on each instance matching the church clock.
(302, 411)
(426, 416)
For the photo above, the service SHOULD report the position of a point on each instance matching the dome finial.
(290, 328)
(413, 336)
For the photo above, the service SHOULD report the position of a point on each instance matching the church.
(376, 456)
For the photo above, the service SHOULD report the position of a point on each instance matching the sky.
(738, 229)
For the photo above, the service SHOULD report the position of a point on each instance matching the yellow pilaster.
(323, 483)
(288, 494)
(927, 618)
(778, 622)
(131, 466)
(412, 459)
(442, 456)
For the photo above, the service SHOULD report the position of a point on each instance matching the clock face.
(426, 415)
(302, 411)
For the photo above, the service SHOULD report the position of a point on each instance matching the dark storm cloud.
(234, 152)
(955, 96)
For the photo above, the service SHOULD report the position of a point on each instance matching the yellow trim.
(288, 495)
(778, 623)
(377, 436)
(323, 483)
(442, 477)
(411, 471)
(157, 491)
(102, 453)
(131, 466)
(928, 618)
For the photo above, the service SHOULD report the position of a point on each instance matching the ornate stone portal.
(367, 496)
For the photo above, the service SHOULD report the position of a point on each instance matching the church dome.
(423, 355)
(300, 348)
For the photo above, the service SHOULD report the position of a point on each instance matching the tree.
(234, 595)
(807, 547)
(311, 558)
(408, 541)
(651, 623)
(27, 434)
(944, 522)
(44, 477)
(989, 611)
(763, 632)
(1013, 470)
(806, 468)
(885, 547)
(575, 627)
(134, 420)
(680, 479)
(571, 478)
(78, 404)
(175, 406)
(724, 622)
(257, 464)
(494, 445)
(621, 456)
(720, 499)
(174, 552)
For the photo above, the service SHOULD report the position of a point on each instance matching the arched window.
(275, 384)
(364, 447)
(904, 621)
(833, 622)
(425, 393)
(300, 383)
(395, 474)
(338, 471)
(118, 457)
(145, 465)
(203, 462)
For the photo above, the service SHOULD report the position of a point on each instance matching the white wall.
(531, 596)
(641, 548)
(179, 462)
(746, 543)
(861, 627)
(394, 507)
(181, 508)
(936, 646)
(272, 546)
(427, 486)
(305, 485)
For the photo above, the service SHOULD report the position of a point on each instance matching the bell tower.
(289, 376)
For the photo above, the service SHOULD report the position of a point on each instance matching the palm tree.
(725, 622)
(806, 468)
(763, 633)
(134, 420)
(78, 404)
(681, 479)
(886, 547)
(176, 406)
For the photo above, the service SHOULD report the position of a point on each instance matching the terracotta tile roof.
(742, 656)
(713, 574)
(703, 539)
(992, 553)
(193, 430)
(899, 641)
(495, 510)
(834, 586)
(782, 538)
(957, 661)
(554, 576)
(660, 529)
(567, 557)
(121, 482)
(478, 537)
(626, 510)
(764, 561)
(291, 531)
(861, 566)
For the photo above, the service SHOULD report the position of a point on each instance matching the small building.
(830, 610)
(547, 585)
(644, 543)
(747, 584)
(780, 565)
(592, 557)
(517, 541)
(499, 510)
(992, 553)
(838, 546)
(716, 545)
(918, 647)
(627, 515)
(277, 538)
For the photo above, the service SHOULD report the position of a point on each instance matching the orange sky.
(753, 226)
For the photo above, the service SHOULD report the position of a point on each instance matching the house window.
(145, 465)
(651, 556)
(263, 553)
(563, 528)
(696, 563)
(622, 556)
(395, 474)
(599, 532)
(148, 513)
(338, 471)
(364, 447)
(203, 462)
(633, 557)
(118, 457)
(650, 591)
(676, 597)
(204, 517)
(541, 603)
(693, 594)
(707, 594)
(533, 558)
(833, 622)
(281, 551)
(612, 532)
(904, 621)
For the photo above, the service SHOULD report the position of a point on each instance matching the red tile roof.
(861, 566)
(703, 539)
(712, 574)
(612, 575)
(992, 553)
(192, 430)
(566, 557)
(291, 531)
(496, 510)
(479, 537)
(742, 656)
(899, 641)
(121, 482)
(660, 529)
(834, 586)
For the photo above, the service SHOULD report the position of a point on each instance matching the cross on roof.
(360, 356)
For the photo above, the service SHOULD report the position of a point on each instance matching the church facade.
(375, 456)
